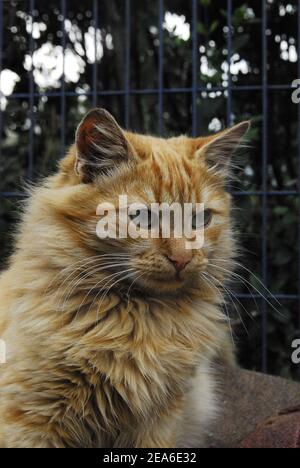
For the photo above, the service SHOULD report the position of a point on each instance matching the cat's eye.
(202, 219)
(144, 219)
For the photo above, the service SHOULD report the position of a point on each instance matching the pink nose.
(180, 262)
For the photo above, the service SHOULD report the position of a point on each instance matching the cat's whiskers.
(129, 275)
(230, 277)
(79, 269)
(239, 265)
(78, 280)
(93, 271)
(94, 287)
(205, 277)
(232, 264)
(247, 283)
(84, 262)
(232, 296)
(62, 271)
(131, 286)
(110, 286)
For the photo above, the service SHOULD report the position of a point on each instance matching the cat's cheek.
(215, 233)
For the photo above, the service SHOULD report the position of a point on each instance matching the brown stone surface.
(249, 400)
(282, 431)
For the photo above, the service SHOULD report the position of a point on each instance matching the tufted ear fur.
(218, 149)
(100, 143)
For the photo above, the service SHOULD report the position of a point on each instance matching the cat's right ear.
(101, 145)
(216, 150)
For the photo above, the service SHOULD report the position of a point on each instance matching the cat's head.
(110, 162)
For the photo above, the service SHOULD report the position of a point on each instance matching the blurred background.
(166, 67)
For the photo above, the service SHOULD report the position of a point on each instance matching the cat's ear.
(216, 151)
(101, 145)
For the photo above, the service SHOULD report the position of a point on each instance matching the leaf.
(202, 29)
(214, 26)
(280, 210)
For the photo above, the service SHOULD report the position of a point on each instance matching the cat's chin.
(158, 286)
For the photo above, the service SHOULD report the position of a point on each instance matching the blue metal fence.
(160, 92)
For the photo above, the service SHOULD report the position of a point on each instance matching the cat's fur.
(87, 369)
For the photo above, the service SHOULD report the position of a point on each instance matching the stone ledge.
(257, 410)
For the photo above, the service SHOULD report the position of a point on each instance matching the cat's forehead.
(146, 146)
(168, 172)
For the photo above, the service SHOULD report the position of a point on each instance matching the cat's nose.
(180, 261)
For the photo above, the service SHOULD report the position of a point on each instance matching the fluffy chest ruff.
(118, 377)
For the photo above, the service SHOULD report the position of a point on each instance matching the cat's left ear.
(216, 151)
(101, 145)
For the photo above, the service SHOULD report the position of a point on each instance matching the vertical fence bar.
(95, 65)
(161, 69)
(195, 65)
(265, 105)
(1, 66)
(63, 8)
(229, 49)
(31, 94)
(127, 61)
(298, 25)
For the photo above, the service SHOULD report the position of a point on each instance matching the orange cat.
(109, 341)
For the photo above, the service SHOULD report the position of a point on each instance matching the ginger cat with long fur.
(111, 343)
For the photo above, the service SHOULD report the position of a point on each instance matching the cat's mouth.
(161, 284)
(167, 277)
